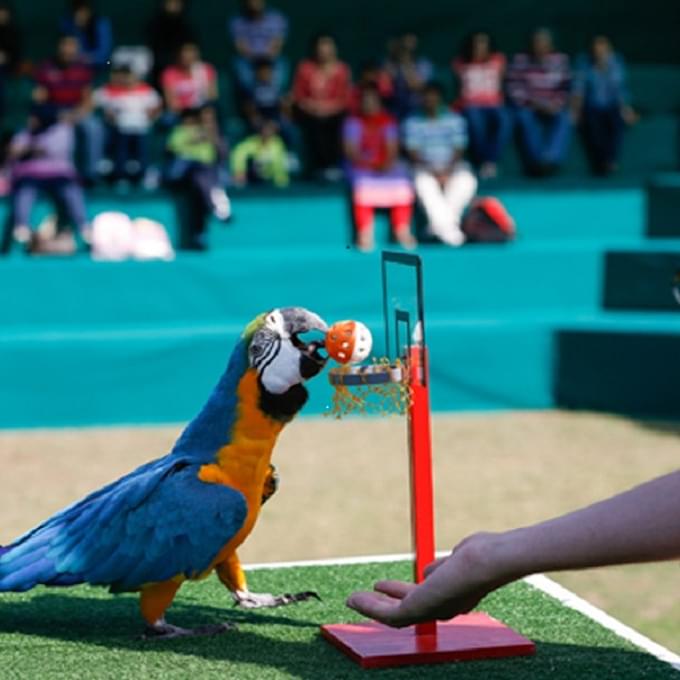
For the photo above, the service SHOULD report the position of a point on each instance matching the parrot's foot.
(248, 600)
(166, 631)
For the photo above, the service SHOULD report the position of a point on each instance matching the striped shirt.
(65, 84)
(436, 140)
(545, 83)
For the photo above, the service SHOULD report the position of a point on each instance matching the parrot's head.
(284, 356)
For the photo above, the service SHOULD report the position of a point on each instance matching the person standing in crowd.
(377, 177)
(435, 142)
(601, 102)
(189, 83)
(258, 33)
(197, 149)
(539, 84)
(93, 32)
(321, 93)
(41, 161)
(408, 73)
(480, 70)
(10, 48)
(130, 106)
(65, 82)
(167, 31)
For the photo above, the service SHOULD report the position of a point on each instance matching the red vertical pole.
(422, 494)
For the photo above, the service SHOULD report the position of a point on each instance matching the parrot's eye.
(256, 350)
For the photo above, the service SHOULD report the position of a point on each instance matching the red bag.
(487, 221)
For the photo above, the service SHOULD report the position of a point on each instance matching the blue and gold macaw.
(183, 516)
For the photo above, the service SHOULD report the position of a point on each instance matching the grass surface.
(340, 496)
(86, 633)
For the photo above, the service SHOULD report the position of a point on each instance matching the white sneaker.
(22, 233)
(221, 203)
(453, 238)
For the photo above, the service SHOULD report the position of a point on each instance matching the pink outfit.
(191, 88)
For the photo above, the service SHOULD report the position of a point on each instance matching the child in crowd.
(264, 99)
(377, 178)
(197, 150)
(188, 83)
(129, 106)
(480, 70)
(41, 158)
(261, 157)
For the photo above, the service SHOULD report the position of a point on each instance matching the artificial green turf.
(86, 633)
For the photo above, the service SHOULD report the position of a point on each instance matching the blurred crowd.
(389, 129)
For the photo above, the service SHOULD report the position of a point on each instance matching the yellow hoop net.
(367, 397)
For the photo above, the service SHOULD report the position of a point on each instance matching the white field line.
(573, 601)
(538, 581)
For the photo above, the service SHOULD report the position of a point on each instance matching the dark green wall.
(646, 32)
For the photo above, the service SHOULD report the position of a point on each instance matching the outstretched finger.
(375, 606)
(396, 589)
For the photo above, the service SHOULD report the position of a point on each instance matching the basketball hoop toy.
(399, 383)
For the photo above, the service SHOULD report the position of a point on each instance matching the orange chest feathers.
(243, 464)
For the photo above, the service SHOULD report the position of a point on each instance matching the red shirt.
(65, 85)
(190, 88)
(481, 82)
(328, 90)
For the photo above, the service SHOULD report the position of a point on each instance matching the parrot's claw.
(166, 631)
(248, 600)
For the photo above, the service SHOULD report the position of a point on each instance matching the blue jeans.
(92, 134)
(67, 192)
(489, 128)
(128, 148)
(544, 137)
(603, 132)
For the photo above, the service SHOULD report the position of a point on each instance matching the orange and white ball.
(349, 342)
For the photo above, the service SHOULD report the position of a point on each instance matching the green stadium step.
(612, 362)
(642, 280)
(307, 216)
(232, 287)
(662, 202)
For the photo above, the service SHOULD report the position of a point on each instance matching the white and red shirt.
(130, 107)
(481, 82)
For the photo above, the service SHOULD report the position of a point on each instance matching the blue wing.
(155, 523)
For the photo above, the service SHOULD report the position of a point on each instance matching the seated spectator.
(130, 107)
(601, 103)
(265, 100)
(408, 72)
(371, 75)
(65, 82)
(10, 48)
(261, 158)
(480, 70)
(321, 93)
(41, 161)
(196, 150)
(377, 177)
(258, 33)
(435, 142)
(93, 32)
(189, 83)
(538, 88)
(167, 31)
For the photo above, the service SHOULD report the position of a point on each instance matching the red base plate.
(471, 636)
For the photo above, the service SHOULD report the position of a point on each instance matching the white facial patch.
(284, 370)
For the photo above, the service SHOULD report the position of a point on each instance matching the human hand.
(453, 585)
(629, 115)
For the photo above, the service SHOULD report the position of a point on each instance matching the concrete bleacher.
(578, 312)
